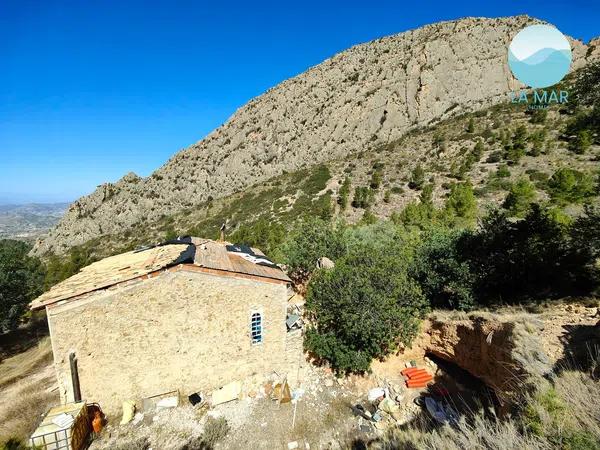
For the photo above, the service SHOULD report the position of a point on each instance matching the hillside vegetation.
(359, 100)
(503, 155)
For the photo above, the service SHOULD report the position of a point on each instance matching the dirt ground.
(324, 418)
(570, 328)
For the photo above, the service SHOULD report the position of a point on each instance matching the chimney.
(222, 238)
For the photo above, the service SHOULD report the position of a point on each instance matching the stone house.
(192, 315)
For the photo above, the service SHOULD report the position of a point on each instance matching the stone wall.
(181, 330)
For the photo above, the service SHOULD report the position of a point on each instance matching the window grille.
(256, 328)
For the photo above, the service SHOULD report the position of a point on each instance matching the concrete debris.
(167, 402)
(137, 418)
(292, 445)
(227, 393)
(375, 394)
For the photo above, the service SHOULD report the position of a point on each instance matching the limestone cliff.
(366, 96)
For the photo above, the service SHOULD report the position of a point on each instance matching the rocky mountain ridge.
(359, 99)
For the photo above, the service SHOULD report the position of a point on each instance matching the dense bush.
(538, 116)
(538, 138)
(363, 197)
(528, 258)
(571, 186)
(415, 214)
(376, 179)
(364, 307)
(461, 206)
(586, 101)
(521, 195)
(311, 239)
(344, 194)
(471, 126)
(388, 272)
(581, 143)
(21, 280)
(515, 150)
(417, 178)
(445, 278)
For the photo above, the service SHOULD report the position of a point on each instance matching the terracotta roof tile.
(205, 253)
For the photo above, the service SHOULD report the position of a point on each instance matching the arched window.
(256, 328)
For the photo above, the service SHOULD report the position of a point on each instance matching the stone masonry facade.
(181, 330)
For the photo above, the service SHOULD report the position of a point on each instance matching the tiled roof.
(224, 257)
(112, 270)
(235, 259)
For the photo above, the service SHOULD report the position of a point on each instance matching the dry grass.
(24, 364)
(25, 381)
(563, 413)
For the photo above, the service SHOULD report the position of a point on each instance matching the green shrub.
(363, 197)
(376, 179)
(540, 179)
(317, 180)
(417, 177)
(581, 143)
(414, 214)
(538, 116)
(311, 239)
(461, 203)
(21, 280)
(264, 233)
(445, 278)
(363, 307)
(571, 186)
(471, 126)
(516, 149)
(513, 260)
(368, 218)
(478, 150)
(494, 157)
(521, 195)
(439, 140)
(426, 196)
(344, 193)
(503, 171)
(387, 196)
(538, 138)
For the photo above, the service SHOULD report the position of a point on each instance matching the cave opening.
(462, 390)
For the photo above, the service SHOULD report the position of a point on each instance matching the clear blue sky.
(90, 90)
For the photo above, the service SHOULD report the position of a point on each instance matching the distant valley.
(29, 221)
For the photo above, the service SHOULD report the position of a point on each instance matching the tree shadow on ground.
(24, 337)
(581, 347)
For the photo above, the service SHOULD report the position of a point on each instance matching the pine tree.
(417, 178)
